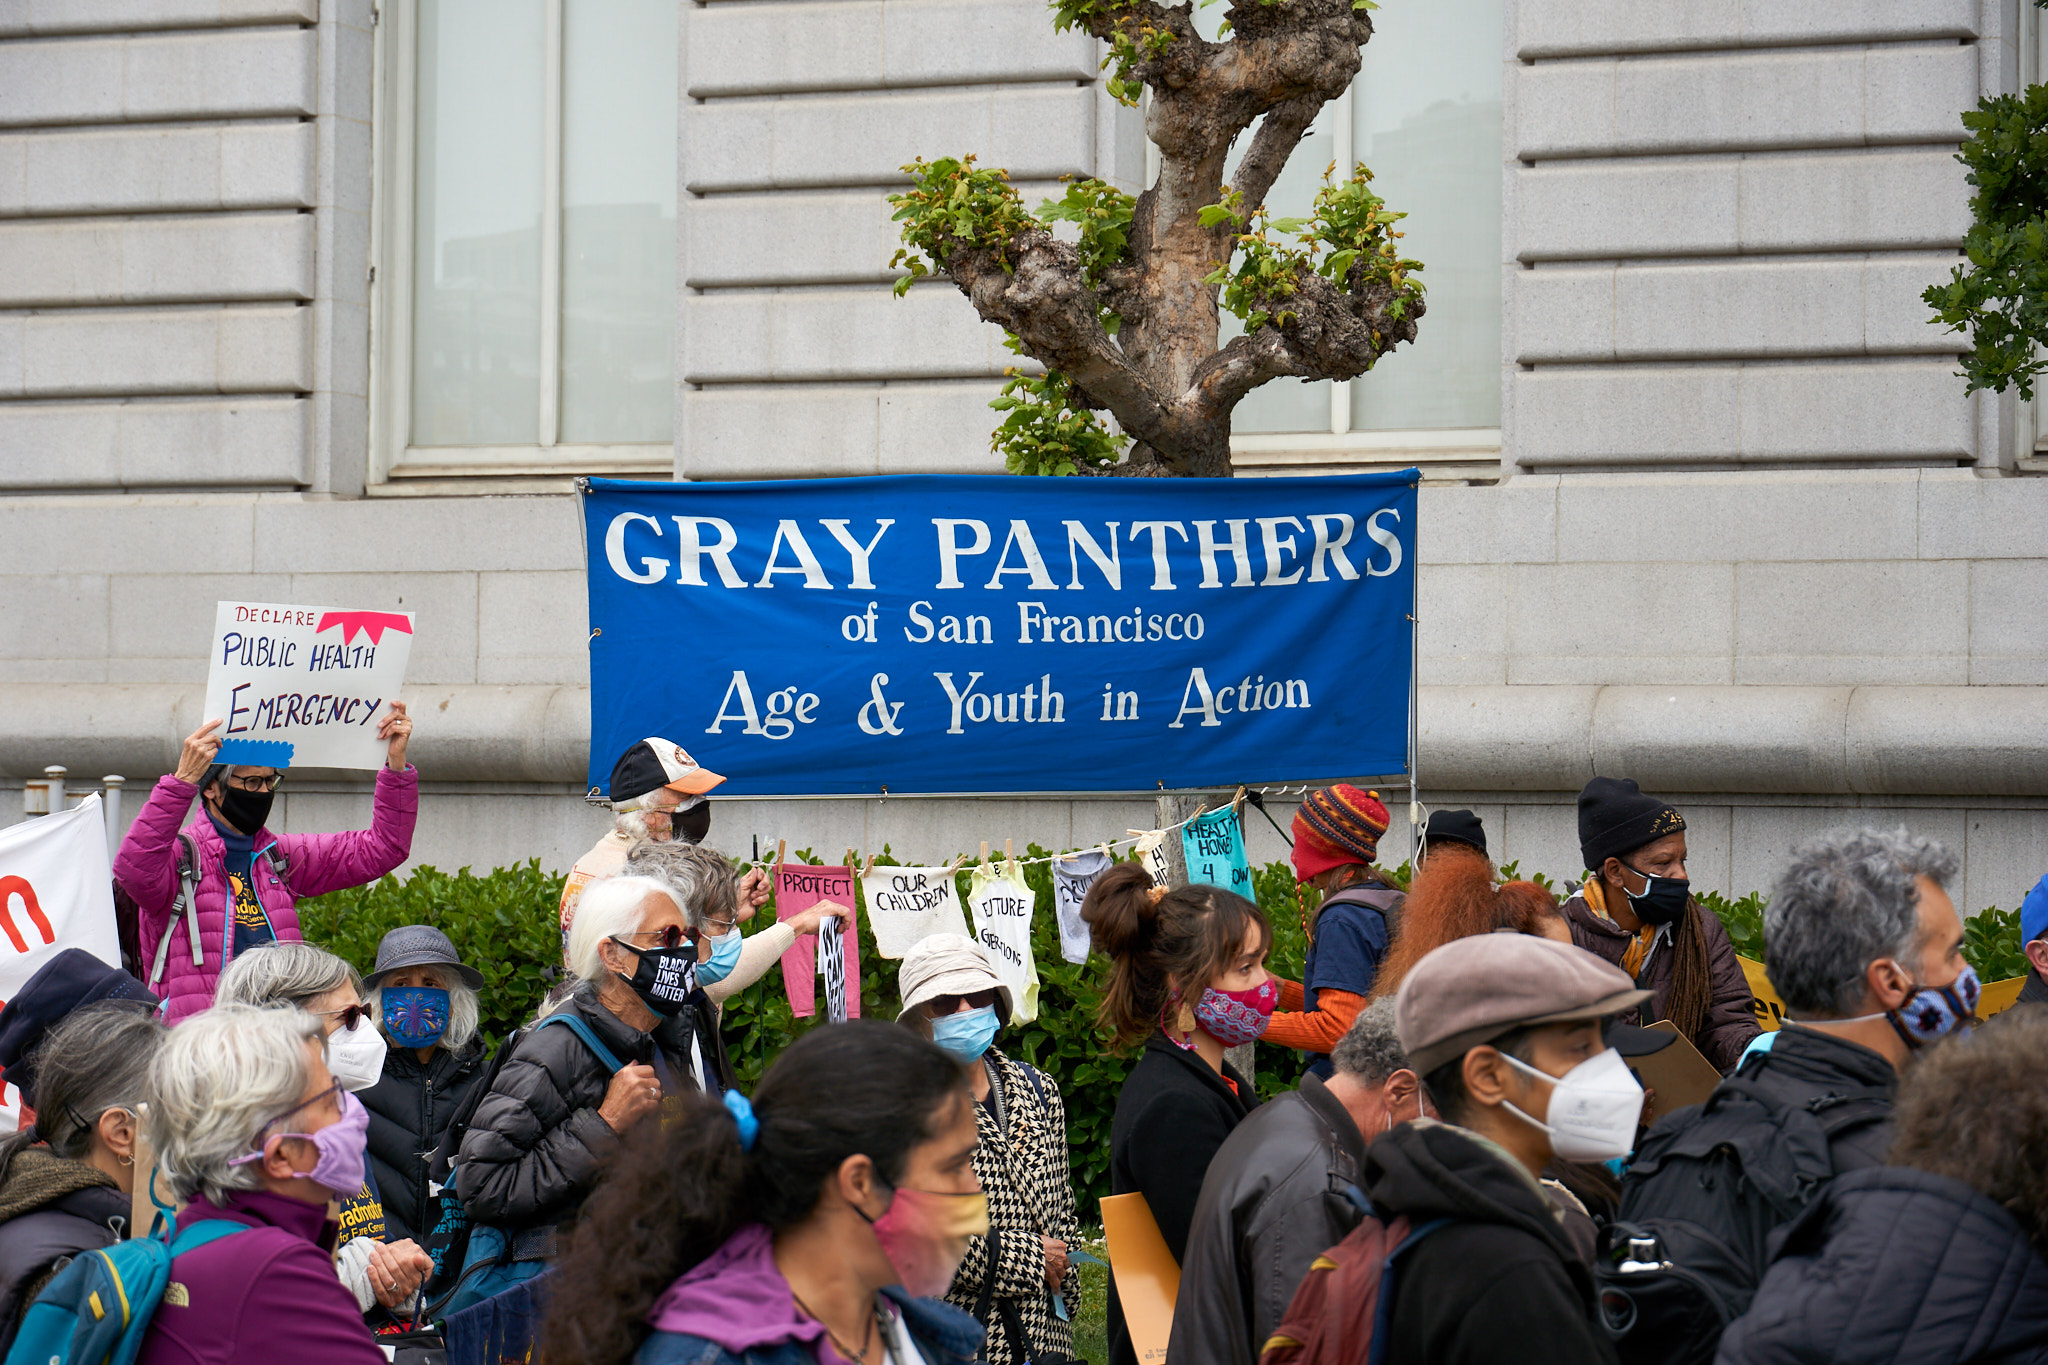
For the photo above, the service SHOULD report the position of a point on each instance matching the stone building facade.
(328, 301)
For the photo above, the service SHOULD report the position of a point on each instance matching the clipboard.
(1146, 1275)
(1678, 1073)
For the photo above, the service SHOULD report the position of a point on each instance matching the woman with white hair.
(250, 1128)
(425, 999)
(1013, 1275)
(635, 1029)
(377, 1267)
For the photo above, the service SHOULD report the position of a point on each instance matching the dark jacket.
(410, 1108)
(1172, 1116)
(1501, 1282)
(536, 1145)
(1895, 1265)
(1273, 1201)
(2032, 996)
(1805, 1064)
(51, 1208)
(1731, 1008)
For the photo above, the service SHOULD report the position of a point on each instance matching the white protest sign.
(1072, 875)
(909, 904)
(1002, 906)
(56, 892)
(304, 686)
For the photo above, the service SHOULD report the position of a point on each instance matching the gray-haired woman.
(249, 1128)
(425, 999)
(1011, 1277)
(377, 1267)
(66, 1181)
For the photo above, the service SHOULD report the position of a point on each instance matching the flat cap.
(1472, 990)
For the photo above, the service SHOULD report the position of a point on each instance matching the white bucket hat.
(948, 964)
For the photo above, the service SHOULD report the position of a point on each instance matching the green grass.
(1091, 1324)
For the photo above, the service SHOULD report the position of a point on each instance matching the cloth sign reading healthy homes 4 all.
(303, 687)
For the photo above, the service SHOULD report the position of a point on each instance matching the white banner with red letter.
(56, 892)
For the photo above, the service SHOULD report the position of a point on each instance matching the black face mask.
(1663, 899)
(246, 811)
(666, 976)
(692, 825)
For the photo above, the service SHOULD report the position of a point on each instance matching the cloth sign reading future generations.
(934, 634)
(1213, 844)
(907, 905)
(56, 892)
(1072, 875)
(798, 887)
(1002, 906)
(304, 686)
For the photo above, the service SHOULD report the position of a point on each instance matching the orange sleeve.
(1290, 994)
(1319, 1029)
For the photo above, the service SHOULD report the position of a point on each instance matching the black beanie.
(1459, 826)
(1615, 818)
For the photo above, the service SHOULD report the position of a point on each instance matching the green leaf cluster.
(1044, 431)
(952, 206)
(2001, 297)
(1348, 238)
(1133, 38)
(1103, 213)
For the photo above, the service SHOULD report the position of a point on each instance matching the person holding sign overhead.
(226, 882)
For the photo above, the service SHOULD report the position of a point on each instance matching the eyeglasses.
(671, 936)
(261, 1140)
(719, 928)
(256, 784)
(351, 1015)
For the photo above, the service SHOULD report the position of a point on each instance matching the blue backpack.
(96, 1310)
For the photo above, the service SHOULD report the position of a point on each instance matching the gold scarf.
(1639, 947)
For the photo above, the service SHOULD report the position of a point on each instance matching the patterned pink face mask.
(1237, 1017)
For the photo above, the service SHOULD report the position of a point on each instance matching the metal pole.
(113, 782)
(56, 773)
(1414, 699)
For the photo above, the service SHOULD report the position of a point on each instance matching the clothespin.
(1237, 802)
(1010, 860)
(959, 861)
(781, 845)
(984, 853)
(868, 866)
(849, 860)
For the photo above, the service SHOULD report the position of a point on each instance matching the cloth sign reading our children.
(56, 892)
(1002, 906)
(1072, 875)
(798, 887)
(304, 686)
(939, 633)
(907, 905)
(1213, 843)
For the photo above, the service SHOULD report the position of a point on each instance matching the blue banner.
(927, 633)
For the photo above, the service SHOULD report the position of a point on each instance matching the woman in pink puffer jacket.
(234, 800)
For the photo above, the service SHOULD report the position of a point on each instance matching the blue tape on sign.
(255, 753)
(930, 633)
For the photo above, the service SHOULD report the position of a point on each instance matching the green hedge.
(504, 924)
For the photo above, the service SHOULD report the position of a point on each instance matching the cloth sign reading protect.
(927, 633)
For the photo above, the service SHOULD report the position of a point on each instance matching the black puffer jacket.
(1895, 1265)
(411, 1106)
(1273, 1201)
(51, 1208)
(536, 1144)
(1501, 1282)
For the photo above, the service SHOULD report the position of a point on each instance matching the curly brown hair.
(1976, 1110)
(1454, 896)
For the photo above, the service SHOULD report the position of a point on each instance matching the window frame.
(394, 461)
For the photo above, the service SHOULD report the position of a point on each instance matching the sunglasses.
(351, 1015)
(671, 937)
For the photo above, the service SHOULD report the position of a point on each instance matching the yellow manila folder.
(1679, 1074)
(1147, 1277)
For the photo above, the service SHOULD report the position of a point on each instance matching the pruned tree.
(1127, 318)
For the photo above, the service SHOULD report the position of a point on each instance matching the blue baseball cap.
(2034, 912)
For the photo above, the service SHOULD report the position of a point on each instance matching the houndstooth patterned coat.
(1022, 1162)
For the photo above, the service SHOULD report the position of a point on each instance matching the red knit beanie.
(1335, 826)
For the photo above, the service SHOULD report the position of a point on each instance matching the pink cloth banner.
(798, 887)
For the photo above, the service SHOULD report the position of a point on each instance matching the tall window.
(529, 311)
(1425, 116)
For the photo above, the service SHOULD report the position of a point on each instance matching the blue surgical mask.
(967, 1034)
(725, 955)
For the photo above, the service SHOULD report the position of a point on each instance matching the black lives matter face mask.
(666, 976)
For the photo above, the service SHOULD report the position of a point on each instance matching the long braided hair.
(1692, 988)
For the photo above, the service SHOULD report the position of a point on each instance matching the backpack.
(496, 1259)
(127, 914)
(1702, 1197)
(1385, 899)
(96, 1310)
(1343, 1311)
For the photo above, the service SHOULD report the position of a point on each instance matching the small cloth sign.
(909, 904)
(1151, 851)
(1072, 875)
(1213, 843)
(798, 887)
(304, 686)
(1002, 906)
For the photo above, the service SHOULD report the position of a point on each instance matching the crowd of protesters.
(1471, 1170)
